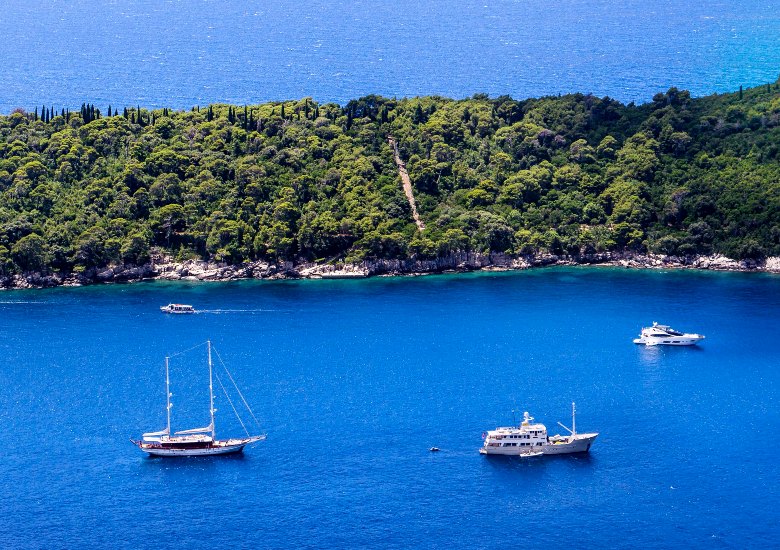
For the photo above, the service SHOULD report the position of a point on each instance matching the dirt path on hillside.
(407, 183)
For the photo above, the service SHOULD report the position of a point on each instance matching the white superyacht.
(665, 335)
(530, 439)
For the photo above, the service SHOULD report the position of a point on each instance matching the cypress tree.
(36, 114)
(124, 113)
(740, 93)
(282, 110)
(132, 118)
(62, 113)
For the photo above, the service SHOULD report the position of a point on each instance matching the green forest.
(302, 181)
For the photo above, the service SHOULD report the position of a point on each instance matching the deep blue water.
(353, 382)
(179, 53)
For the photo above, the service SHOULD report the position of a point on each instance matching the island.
(389, 186)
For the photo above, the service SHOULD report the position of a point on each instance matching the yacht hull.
(512, 451)
(579, 444)
(225, 447)
(670, 341)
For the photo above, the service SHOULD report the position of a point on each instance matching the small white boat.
(197, 441)
(177, 308)
(344, 275)
(530, 439)
(665, 335)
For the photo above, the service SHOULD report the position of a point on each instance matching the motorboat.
(177, 308)
(530, 439)
(666, 336)
(197, 441)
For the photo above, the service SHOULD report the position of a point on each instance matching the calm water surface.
(180, 53)
(353, 382)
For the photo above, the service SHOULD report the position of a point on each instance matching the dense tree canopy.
(303, 181)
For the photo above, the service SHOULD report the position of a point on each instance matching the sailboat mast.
(211, 394)
(168, 397)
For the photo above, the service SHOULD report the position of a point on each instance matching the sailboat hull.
(223, 447)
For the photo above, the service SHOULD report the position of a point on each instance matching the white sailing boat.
(197, 441)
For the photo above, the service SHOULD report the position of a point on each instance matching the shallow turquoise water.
(353, 382)
(182, 53)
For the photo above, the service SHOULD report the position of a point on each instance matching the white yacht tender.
(666, 336)
(530, 439)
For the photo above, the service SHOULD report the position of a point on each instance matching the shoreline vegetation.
(384, 186)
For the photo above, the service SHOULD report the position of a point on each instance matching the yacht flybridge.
(666, 336)
(197, 441)
(530, 439)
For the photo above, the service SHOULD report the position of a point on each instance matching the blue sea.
(180, 53)
(353, 381)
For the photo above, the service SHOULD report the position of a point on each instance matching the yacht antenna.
(211, 394)
(168, 396)
(573, 419)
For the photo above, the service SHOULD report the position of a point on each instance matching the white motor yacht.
(177, 308)
(530, 439)
(666, 336)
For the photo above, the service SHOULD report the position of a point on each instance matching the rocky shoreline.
(163, 268)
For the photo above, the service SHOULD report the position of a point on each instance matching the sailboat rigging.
(197, 441)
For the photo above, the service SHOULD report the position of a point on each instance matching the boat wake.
(221, 311)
